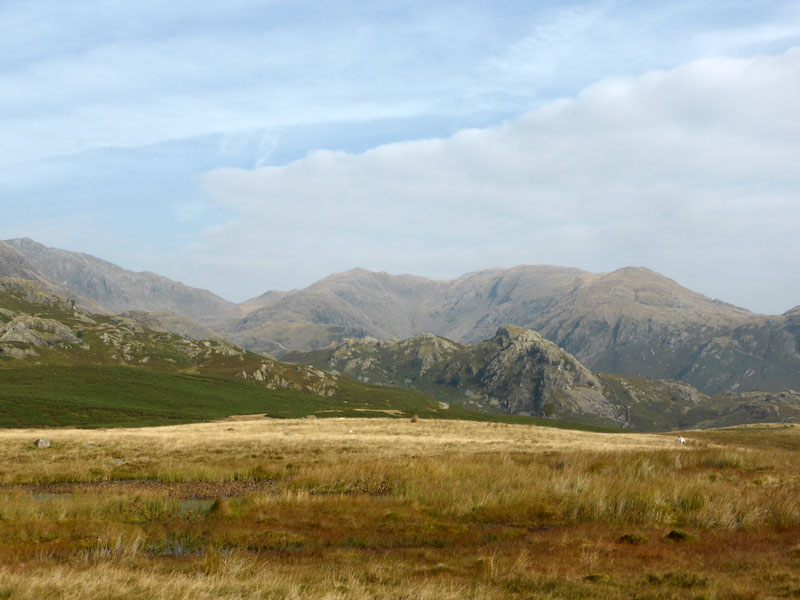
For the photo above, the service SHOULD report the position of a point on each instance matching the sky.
(242, 146)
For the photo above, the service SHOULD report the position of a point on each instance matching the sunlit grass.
(394, 509)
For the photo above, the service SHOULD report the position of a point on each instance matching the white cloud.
(691, 171)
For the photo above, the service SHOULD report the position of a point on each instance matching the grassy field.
(253, 507)
(113, 396)
(122, 396)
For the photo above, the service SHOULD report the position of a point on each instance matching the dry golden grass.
(231, 448)
(379, 508)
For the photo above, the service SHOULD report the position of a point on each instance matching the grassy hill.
(109, 395)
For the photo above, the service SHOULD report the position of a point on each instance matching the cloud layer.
(110, 118)
(692, 172)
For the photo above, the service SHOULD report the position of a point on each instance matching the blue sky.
(243, 146)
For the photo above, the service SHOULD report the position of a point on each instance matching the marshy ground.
(389, 508)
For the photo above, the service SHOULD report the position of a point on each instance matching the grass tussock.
(394, 509)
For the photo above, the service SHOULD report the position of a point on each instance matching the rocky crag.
(517, 371)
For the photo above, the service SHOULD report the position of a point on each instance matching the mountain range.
(631, 322)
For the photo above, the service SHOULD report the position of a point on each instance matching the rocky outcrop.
(134, 342)
(37, 332)
(304, 379)
(518, 371)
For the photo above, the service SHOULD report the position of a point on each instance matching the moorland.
(254, 507)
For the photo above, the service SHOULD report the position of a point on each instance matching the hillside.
(15, 264)
(357, 303)
(117, 289)
(518, 372)
(61, 365)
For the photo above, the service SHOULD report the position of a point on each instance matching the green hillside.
(103, 396)
(115, 396)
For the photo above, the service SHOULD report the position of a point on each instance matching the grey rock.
(36, 331)
(42, 443)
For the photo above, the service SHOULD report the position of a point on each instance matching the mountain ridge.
(632, 321)
(517, 371)
(118, 289)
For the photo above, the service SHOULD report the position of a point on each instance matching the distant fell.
(15, 264)
(632, 321)
(117, 289)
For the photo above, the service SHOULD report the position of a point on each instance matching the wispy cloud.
(540, 54)
(132, 74)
